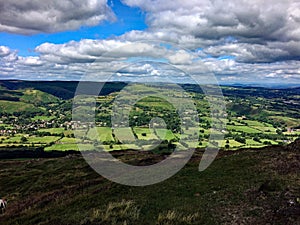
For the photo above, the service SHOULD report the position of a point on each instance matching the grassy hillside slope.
(242, 187)
(13, 107)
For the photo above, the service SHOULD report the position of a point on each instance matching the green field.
(251, 142)
(244, 115)
(44, 118)
(244, 129)
(144, 133)
(124, 134)
(290, 122)
(45, 139)
(6, 126)
(165, 134)
(15, 139)
(68, 140)
(13, 107)
(69, 147)
(232, 143)
(101, 134)
(254, 123)
(59, 130)
(53, 130)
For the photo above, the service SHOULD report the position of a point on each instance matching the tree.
(240, 139)
(23, 139)
(256, 139)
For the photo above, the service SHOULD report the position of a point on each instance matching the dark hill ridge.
(62, 89)
(66, 89)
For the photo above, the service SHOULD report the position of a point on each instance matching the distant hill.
(38, 97)
(61, 89)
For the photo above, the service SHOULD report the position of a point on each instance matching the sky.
(237, 41)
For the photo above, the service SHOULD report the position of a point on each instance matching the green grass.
(15, 139)
(266, 129)
(232, 144)
(254, 123)
(13, 107)
(45, 118)
(244, 129)
(147, 131)
(58, 130)
(272, 142)
(124, 134)
(165, 134)
(38, 97)
(251, 142)
(290, 122)
(45, 139)
(101, 134)
(117, 147)
(68, 140)
(69, 147)
(7, 126)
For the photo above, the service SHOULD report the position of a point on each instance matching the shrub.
(23, 139)
(240, 139)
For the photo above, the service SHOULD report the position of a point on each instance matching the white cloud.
(266, 30)
(4, 51)
(36, 16)
(237, 40)
(181, 57)
(30, 61)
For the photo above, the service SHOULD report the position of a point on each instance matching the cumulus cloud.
(30, 61)
(181, 57)
(4, 51)
(35, 16)
(238, 40)
(266, 31)
(87, 51)
(62, 62)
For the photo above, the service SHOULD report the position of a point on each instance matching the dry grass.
(176, 218)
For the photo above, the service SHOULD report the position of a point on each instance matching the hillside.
(24, 100)
(12, 107)
(242, 187)
(61, 89)
(38, 97)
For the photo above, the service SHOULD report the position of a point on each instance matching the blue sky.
(127, 19)
(237, 41)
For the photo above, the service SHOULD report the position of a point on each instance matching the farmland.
(251, 121)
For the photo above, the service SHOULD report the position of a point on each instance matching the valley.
(39, 115)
